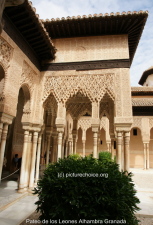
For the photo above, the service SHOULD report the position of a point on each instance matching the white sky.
(62, 8)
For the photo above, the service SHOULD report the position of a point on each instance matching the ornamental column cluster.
(5, 121)
(122, 149)
(29, 172)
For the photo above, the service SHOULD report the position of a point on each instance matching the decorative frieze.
(92, 86)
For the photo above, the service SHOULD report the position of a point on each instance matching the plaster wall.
(91, 48)
(136, 149)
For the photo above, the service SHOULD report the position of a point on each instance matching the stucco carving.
(136, 122)
(84, 123)
(118, 105)
(78, 109)
(92, 86)
(126, 93)
(28, 76)
(151, 122)
(5, 53)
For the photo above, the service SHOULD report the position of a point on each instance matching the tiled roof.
(31, 28)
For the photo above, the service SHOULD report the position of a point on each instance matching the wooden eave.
(27, 23)
(96, 25)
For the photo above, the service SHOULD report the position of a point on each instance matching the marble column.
(146, 155)
(59, 150)
(22, 182)
(144, 158)
(70, 147)
(28, 160)
(126, 150)
(84, 148)
(112, 148)
(108, 146)
(95, 146)
(43, 149)
(119, 149)
(54, 148)
(74, 143)
(33, 160)
(66, 149)
(38, 157)
(48, 149)
(1, 128)
(63, 146)
(2, 146)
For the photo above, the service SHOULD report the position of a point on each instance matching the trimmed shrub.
(86, 188)
(105, 156)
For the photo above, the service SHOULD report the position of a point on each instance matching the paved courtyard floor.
(15, 207)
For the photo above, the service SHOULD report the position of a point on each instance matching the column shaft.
(1, 128)
(147, 155)
(28, 160)
(38, 158)
(22, 182)
(70, 147)
(33, 161)
(145, 158)
(2, 147)
(95, 147)
(119, 150)
(112, 148)
(66, 149)
(59, 150)
(48, 149)
(126, 151)
(84, 148)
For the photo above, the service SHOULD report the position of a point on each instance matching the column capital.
(6, 118)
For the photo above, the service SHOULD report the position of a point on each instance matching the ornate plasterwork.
(137, 122)
(142, 102)
(151, 122)
(84, 123)
(103, 123)
(5, 53)
(28, 76)
(78, 109)
(92, 86)
(126, 93)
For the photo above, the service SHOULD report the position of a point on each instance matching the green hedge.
(110, 195)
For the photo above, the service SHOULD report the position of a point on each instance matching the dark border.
(87, 65)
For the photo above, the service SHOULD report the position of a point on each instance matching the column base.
(22, 190)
